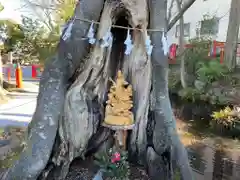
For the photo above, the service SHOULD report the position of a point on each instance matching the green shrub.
(174, 79)
(190, 94)
(225, 117)
(211, 71)
(114, 164)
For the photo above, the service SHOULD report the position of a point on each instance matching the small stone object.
(119, 104)
(98, 175)
(199, 85)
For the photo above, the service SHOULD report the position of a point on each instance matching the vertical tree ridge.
(50, 101)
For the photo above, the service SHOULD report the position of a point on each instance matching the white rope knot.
(128, 43)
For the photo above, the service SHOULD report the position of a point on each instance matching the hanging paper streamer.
(107, 39)
(128, 43)
(165, 46)
(148, 45)
(68, 31)
(110, 40)
(90, 35)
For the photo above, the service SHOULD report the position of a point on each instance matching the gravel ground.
(85, 170)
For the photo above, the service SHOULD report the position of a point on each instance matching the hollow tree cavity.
(74, 85)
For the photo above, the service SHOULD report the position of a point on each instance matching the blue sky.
(11, 10)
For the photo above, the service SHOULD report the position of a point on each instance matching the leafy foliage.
(64, 10)
(173, 79)
(211, 71)
(190, 94)
(205, 75)
(1, 7)
(31, 41)
(177, 175)
(52, 14)
(114, 168)
(36, 45)
(12, 34)
(204, 71)
(196, 54)
(225, 117)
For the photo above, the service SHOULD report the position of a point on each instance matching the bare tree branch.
(185, 6)
(42, 10)
(181, 45)
(47, 11)
(169, 16)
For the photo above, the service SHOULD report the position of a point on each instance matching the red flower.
(116, 157)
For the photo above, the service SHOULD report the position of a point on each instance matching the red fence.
(216, 49)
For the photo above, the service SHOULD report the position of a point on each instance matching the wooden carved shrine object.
(119, 104)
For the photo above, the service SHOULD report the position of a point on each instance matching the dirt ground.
(85, 170)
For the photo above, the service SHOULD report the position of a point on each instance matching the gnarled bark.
(232, 35)
(53, 87)
(3, 97)
(67, 121)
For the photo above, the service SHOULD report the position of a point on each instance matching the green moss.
(190, 94)
(177, 175)
(9, 160)
(1, 131)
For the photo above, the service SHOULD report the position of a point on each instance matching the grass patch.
(12, 151)
(1, 130)
(9, 160)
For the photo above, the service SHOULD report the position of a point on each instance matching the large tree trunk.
(73, 91)
(232, 35)
(2, 91)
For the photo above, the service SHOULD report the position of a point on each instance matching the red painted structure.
(216, 45)
(173, 53)
(34, 71)
(9, 74)
(19, 77)
(221, 45)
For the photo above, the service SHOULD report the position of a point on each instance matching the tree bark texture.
(232, 35)
(73, 88)
(181, 45)
(2, 91)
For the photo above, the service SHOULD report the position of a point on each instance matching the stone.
(199, 85)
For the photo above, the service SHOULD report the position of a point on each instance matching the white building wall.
(218, 8)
